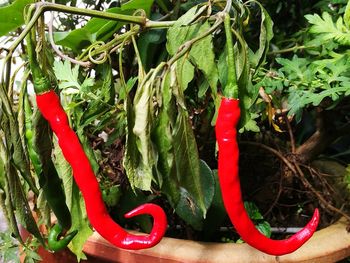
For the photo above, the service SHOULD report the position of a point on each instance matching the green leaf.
(193, 174)
(207, 63)
(253, 211)
(104, 94)
(138, 4)
(265, 228)
(326, 29)
(123, 91)
(69, 78)
(97, 29)
(248, 122)
(178, 35)
(266, 34)
(203, 88)
(182, 31)
(149, 44)
(80, 222)
(347, 15)
(188, 209)
(222, 68)
(111, 196)
(11, 16)
(295, 68)
(184, 73)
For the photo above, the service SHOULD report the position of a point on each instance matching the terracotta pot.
(327, 245)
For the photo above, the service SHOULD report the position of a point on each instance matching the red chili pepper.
(51, 109)
(229, 114)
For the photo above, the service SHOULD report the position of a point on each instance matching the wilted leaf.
(11, 17)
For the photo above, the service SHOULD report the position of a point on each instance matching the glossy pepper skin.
(228, 117)
(50, 107)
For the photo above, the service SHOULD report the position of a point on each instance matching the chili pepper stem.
(231, 89)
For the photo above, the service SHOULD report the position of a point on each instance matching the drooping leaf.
(143, 108)
(11, 16)
(207, 63)
(184, 72)
(178, 34)
(164, 143)
(138, 175)
(182, 30)
(64, 171)
(80, 222)
(20, 203)
(266, 34)
(188, 165)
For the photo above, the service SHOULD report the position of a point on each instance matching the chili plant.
(135, 78)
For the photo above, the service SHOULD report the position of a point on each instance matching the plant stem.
(42, 7)
(158, 24)
(287, 50)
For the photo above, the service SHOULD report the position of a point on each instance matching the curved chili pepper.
(228, 117)
(54, 241)
(51, 109)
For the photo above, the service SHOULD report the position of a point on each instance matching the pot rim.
(330, 244)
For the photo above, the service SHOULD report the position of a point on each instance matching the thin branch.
(295, 168)
(274, 203)
(228, 6)
(290, 132)
(275, 152)
(327, 205)
(287, 50)
(86, 64)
